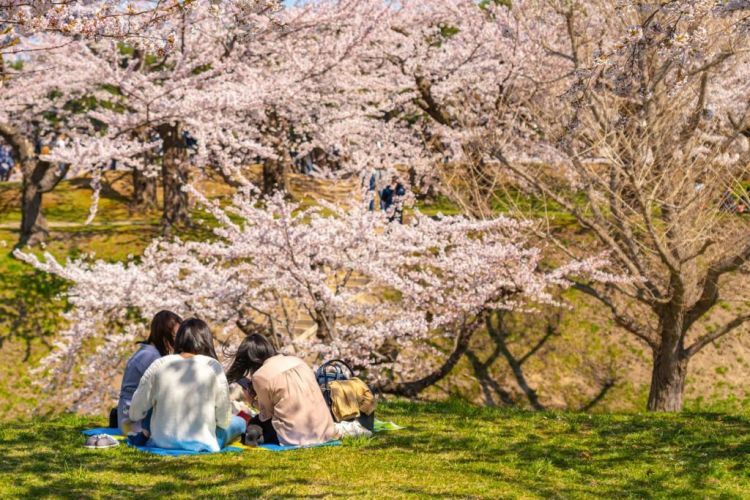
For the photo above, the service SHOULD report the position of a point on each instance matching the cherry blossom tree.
(382, 295)
(34, 98)
(654, 133)
(163, 98)
(631, 116)
(241, 81)
(325, 94)
(43, 65)
(79, 19)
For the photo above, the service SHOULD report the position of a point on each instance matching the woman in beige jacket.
(285, 391)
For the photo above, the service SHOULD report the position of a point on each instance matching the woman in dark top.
(164, 326)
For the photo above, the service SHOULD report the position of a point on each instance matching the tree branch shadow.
(30, 307)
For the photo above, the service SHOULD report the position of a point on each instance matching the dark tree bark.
(275, 176)
(34, 229)
(174, 176)
(670, 367)
(39, 177)
(323, 331)
(276, 171)
(667, 383)
(144, 192)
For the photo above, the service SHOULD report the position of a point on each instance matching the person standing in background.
(372, 188)
(6, 163)
(393, 200)
(398, 201)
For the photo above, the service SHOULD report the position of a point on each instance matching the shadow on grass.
(447, 450)
(29, 307)
(60, 466)
(615, 456)
(107, 191)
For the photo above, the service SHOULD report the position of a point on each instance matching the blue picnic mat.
(280, 447)
(180, 453)
(114, 431)
(110, 431)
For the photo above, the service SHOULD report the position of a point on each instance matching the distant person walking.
(386, 197)
(398, 201)
(372, 188)
(6, 163)
(393, 200)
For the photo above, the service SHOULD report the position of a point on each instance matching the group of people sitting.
(175, 393)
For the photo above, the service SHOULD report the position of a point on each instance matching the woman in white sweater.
(189, 395)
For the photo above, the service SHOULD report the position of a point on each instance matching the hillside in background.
(584, 360)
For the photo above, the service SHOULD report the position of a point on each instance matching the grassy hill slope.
(447, 450)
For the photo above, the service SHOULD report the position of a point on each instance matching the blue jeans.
(236, 429)
(140, 439)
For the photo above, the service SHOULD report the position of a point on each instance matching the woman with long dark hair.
(188, 394)
(284, 389)
(164, 326)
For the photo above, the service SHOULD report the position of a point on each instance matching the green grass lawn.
(448, 450)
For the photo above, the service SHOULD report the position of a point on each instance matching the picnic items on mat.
(240, 407)
(347, 396)
(350, 399)
(351, 429)
(253, 435)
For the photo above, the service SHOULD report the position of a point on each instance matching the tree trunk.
(667, 380)
(144, 192)
(670, 362)
(322, 332)
(39, 177)
(275, 176)
(276, 171)
(34, 228)
(174, 177)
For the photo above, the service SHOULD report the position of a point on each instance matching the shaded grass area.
(32, 302)
(448, 450)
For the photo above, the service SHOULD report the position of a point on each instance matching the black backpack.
(330, 371)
